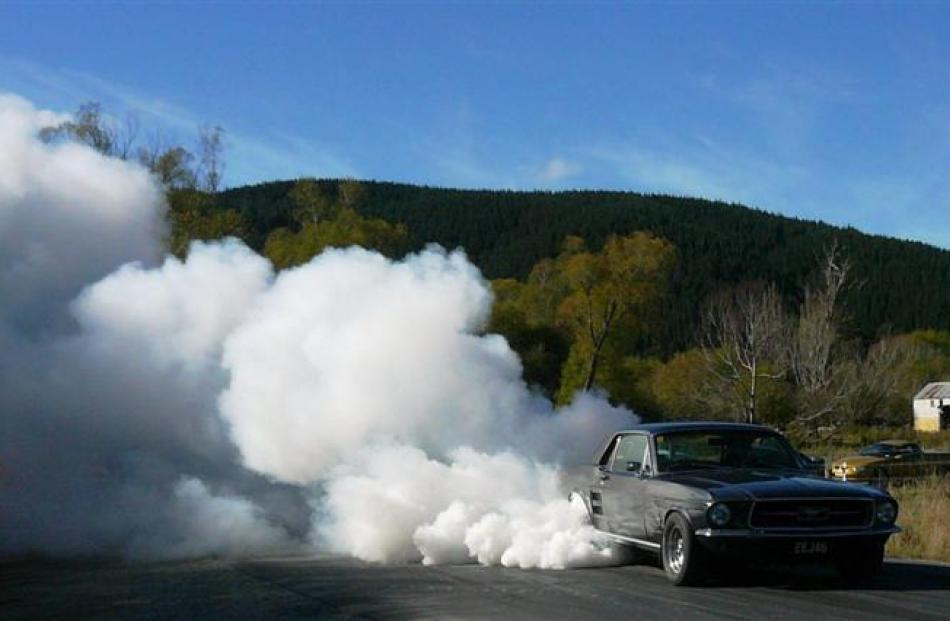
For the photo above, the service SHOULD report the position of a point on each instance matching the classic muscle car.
(890, 460)
(706, 496)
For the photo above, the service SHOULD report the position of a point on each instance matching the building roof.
(934, 390)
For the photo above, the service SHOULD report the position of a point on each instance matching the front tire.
(683, 558)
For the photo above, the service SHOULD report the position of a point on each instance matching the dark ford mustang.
(707, 495)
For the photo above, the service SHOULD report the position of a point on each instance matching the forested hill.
(903, 286)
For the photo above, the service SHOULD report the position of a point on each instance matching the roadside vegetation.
(925, 505)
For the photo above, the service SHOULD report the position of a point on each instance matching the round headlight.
(719, 514)
(886, 512)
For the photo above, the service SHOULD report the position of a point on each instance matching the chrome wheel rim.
(676, 551)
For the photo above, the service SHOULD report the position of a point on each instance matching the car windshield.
(882, 448)
(878, 449)
(691, 450)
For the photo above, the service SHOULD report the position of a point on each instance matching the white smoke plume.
(68, 216)
(397, 504)
(109, 438)
(165, 409)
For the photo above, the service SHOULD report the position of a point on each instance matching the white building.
(932, 407)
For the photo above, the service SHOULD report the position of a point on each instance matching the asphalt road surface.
(347, 589)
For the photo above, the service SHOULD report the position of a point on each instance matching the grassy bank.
(924, 512)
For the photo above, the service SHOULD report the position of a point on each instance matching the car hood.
(755, 484)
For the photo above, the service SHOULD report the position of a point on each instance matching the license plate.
(812, 548)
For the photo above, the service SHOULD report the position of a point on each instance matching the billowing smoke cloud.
(369, 376)
(68, 216)
(109, 438)
(164, 409)
(352, 348)
(397, 504)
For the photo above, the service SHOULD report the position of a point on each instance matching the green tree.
(611, 297)
(311, 204)
(681, 388)
(324, 223)
(540, 345)
(193, 215)
(172, 166)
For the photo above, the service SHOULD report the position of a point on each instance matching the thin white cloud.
(74, 85)
(250, 158)
(885, 205)
(701, 168)
(558, 169)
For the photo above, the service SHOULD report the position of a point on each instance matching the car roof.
(895, 442)
(668, 427)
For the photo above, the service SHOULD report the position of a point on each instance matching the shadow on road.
(347, 589)
(894, 576)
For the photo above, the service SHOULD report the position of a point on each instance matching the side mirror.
(633, 466)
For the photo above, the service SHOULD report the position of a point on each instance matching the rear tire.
(684, 560)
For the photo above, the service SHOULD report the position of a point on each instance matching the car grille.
(812, 513)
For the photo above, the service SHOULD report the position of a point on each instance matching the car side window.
(605, 458)
(630, 453)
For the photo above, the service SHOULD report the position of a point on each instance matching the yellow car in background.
(891, 460)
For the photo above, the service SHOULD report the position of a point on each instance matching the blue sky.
(838, 112)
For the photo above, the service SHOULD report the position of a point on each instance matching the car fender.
(681, 511)
(585, 498)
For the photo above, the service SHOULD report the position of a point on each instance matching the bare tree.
(819, 360)
(171, 164)
(873, 382)
(123, 141)
(92, 127)
(743, 333)
(211, 165)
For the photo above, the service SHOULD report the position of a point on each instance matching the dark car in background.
(891, 460)
(710, 496)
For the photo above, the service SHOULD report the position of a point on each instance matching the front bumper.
(755, 534)
(790, 546)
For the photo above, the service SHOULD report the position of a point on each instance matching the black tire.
(684, 560)
(861, 564)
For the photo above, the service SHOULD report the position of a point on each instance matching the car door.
(622, 488)
(601, 477)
